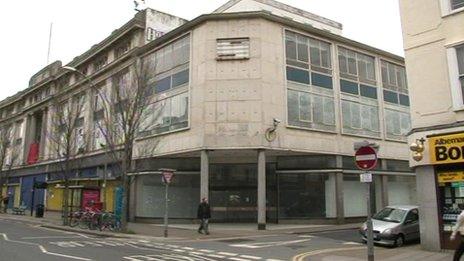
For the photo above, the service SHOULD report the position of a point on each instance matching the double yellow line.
(302, 256)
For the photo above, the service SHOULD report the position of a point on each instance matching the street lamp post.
(72, 69)
(105, 174)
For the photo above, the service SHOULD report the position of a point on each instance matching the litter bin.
(39, 210)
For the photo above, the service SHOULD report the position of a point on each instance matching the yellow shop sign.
(447, 149)
(455, 176)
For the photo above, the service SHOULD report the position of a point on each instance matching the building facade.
(258, 111)
(434, 50)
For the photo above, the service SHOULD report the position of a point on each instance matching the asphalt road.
(24, 241)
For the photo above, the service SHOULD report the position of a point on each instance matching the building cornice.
(270, 17)
(287, 8)
(139, 22)
(436, 127)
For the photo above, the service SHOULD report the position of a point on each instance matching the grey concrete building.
(257, 108)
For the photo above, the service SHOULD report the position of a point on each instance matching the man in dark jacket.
(204, 214)
(6, 200)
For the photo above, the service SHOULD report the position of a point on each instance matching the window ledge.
(161, 134)
(361, 135)
(396, 140)
(289, 126)
(453, 12)
(458, 108)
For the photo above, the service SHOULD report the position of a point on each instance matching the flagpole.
(49, 43)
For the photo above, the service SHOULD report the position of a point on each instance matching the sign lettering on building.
(454, 176)
(447, 149)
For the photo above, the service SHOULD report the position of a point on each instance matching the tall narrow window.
(394, 83)
(460, 57)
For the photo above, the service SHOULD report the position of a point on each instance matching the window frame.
(309, 64)
(395, 89)
(457, 89)
(168, 100)
(357, 57)
(361, 104)
(312, 95)
(456, 8)
(447, 8)
(311, 89)
(399, 110)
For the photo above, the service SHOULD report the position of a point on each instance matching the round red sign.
(366, 158)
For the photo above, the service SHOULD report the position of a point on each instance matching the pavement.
(239, 242)
(182, 231)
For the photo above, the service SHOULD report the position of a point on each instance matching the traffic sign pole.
(166, 210)
(166, 176)
(366, 159)
(370, 234)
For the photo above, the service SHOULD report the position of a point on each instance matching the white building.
(434, 47)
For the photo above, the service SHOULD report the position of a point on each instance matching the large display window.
(184, 194)
(450, 201)
(233, 195)
(306, 195)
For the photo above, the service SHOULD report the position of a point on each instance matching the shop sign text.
(447, 149)
(455, 176)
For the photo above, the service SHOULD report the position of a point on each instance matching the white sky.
(79, 24)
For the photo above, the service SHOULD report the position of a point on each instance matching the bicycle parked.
(109, 221)
(95, 219)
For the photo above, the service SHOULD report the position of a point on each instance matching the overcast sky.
(78, 24)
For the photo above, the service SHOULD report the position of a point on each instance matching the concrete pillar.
(132, 197)
(340, 205)
(87, 113)
(339, 198)
(261, 190)
(428, 208)
(384, 182)
(204, 174)
(43, 135)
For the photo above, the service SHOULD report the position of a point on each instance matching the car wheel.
(399, 241)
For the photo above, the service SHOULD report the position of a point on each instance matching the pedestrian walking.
(204, 214)
(459, 228)
(5, 200)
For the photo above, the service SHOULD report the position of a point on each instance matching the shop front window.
(354, 196)
(402, 190)
(305, 195)
(450, 181)
(184, 194)
(233, 194)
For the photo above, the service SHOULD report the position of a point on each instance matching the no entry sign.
(366, 158)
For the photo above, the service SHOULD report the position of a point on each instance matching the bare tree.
(9, 154)
(127, 113)
(67, 139)
(5, 145)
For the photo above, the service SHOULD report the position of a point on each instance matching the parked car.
(394, 225)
